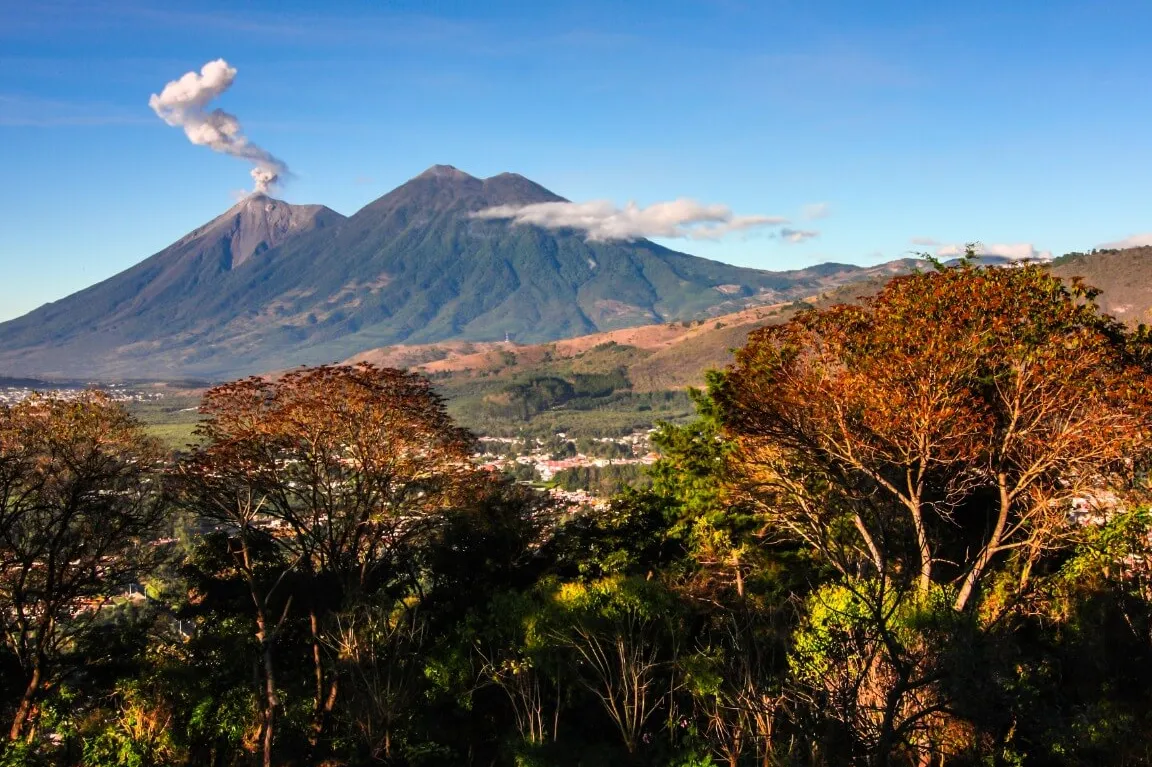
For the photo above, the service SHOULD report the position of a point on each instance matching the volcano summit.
(271, 285)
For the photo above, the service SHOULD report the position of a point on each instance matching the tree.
(347, 468)
(928, 443)
(383, 646)
(80, 508)
(622, 634)
(735, 680)
(719, 533)
(513, 654)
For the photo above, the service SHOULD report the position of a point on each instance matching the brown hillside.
(675, 355)
(1124, 276)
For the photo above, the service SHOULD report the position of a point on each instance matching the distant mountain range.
(270, 285)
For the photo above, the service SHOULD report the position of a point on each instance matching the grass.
(174, 436)
(170, 420)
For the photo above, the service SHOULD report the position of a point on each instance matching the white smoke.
(601, 220)
(183, 104)
(927, 242)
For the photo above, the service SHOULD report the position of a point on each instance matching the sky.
(881, 129)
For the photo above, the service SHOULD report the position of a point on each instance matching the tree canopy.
(905, 532)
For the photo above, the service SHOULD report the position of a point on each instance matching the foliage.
(908, 532)
(80, 507)
(928, 444)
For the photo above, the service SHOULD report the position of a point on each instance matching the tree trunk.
(990, 548)
(739, 578)
(270, 701)
(556, 713)
(321, 716)
(317, 668)
(322, 704)
(924, 586)
(24, 711)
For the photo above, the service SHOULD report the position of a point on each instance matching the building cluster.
(508, 453)
(10, 395)
(578, 499)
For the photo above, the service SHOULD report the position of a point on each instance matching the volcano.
(269, 285)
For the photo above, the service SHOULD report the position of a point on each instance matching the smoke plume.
(602, 221)
(183, 103)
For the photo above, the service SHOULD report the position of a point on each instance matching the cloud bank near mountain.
(604, 221)
(1019, 251)
(1132, 241)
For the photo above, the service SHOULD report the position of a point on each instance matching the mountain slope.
(442, 274)
(270, 285)
(112, 325)
(1123, 276)
(674, 355)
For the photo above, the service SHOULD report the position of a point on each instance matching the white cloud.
(926, 242)
(1133, 241)
(795, 236)
(816, 210)
(1021, 251)
(602, 220)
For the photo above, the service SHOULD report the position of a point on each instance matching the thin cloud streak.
(603, 221)
(816, 210)
(797, 236)
(24, 112)
(1132, 241)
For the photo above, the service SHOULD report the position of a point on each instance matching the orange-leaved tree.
(950, 420)
(80, 514)
(929, 443)
(346, 468)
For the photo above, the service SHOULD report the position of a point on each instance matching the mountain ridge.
(674, 355)
(269, 285)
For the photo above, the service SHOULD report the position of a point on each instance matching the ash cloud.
(184, 104)
(603, 221)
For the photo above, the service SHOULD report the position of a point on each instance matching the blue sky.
(1006, 122)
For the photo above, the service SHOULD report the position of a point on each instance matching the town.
(117, 392)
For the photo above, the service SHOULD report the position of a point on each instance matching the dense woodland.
(912, 531)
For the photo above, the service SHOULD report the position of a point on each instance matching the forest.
(911, 531)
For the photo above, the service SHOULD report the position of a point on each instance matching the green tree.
(622, 635)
